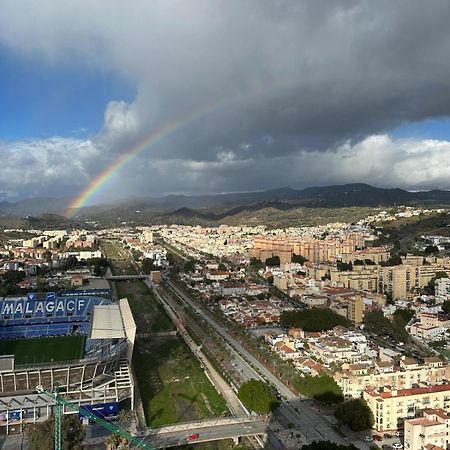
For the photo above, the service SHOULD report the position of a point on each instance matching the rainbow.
(156, 136)
(153, 138)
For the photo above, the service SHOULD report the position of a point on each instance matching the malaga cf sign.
(33, 307)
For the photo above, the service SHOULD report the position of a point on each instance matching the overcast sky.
(268, 93)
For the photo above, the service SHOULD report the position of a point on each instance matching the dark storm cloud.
(282, 82)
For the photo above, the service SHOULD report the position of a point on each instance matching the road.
(296, 412)
(220, 384)
(216, 432)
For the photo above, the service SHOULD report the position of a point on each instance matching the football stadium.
(81, 341)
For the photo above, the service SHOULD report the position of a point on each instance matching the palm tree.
(112, 442)
(124, 418)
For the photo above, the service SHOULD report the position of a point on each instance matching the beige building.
(430, 327)
(374, 254)
(313, 249)
(266, 247)
(355, 309)
(323, 250)
(317, 271)
(405, 376)
(428, 432)
(391, 407)
(362, 278)
(402, 280)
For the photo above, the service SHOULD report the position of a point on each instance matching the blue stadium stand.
(29, 317)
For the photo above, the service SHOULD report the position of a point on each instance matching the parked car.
(368, 439)
(387, 435)
(397, 446)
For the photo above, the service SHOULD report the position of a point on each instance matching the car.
(368, 439)
(399, 433)
(397, 446)
(377, 437)
(387, 435)
(193, 437)
(386, 447)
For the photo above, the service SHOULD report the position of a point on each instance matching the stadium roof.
(107, 322)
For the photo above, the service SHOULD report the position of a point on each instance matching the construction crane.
(60, 402)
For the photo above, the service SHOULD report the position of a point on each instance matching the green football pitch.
(47, 349)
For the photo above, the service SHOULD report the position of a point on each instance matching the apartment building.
(334, 350)
(401, 280)
(323, 250)
(313, 249)
(428, 432)
(442, 288)
(266, 247)
(376, 255)
(355, 309)
(430, 327)
(405, 376)
(362, 278)
(391, 407)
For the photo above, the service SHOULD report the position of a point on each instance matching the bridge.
(207, 430)
(125, 277)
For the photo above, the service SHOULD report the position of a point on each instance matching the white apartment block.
(354, 380)
(391, 407)
(442, 288)
(428, 432)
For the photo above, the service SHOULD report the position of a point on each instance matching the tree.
(430, 287)
(100, 266)
(394, 260)
(344, 267)
(258, 396)
(403, 316)
(273, 261)
(358, 262)
(256, 264)
(446, 307)
(375, 322)
(298, 259)
(314, 319)
(321, 387)
(389, 297)
(148, 265)
(327, 445)
(9, 281)
(114, 442)
(356, 414)
(189, 266)
(431, 249)
(41, 435)
(13, 276)
(222, 267)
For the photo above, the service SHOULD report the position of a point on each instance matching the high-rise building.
(355, 308)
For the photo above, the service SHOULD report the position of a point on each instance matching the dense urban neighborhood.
(317, 333)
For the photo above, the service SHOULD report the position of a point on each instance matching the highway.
(292, 411)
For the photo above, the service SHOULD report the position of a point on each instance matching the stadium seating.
(21, 324)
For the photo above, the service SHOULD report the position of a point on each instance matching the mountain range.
(219, 207)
